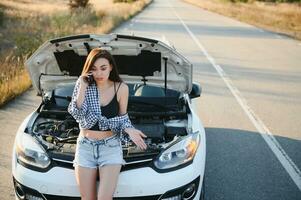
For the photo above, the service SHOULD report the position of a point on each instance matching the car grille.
(130, 164)
(52, 197)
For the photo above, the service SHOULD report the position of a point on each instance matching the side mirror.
(195, 91)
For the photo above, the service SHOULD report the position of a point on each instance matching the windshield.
(140, 96)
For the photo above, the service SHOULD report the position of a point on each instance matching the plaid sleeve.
(125, 122)
(119, 123)
(77, 113)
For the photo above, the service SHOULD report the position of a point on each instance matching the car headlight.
(29, 152)
(179, 153)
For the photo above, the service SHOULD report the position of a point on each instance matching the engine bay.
(162, 117)
(58, 133)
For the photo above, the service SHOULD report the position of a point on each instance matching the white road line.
(279, 152)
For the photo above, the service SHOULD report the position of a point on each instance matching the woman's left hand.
(137, 137)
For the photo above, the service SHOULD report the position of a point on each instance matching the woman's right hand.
(81, 91)
(83, 80)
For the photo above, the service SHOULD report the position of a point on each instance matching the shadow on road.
(11, 117)
(240, 165)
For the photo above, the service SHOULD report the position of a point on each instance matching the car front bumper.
(22, 192)
(142, 183)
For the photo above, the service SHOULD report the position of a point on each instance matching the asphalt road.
(250, 104)
(11, 116)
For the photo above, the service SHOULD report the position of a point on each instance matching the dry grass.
(13, 78)
(115, 13)
(279, 17)
(26, 24)
(28, 7)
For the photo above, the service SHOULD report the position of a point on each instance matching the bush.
(78, 4)
(1, 16)
(124, 1)
(69, 23)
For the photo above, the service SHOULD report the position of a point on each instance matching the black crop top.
(110, 110)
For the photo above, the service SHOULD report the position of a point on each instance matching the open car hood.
(59, 62)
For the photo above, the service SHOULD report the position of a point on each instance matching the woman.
(100, 107)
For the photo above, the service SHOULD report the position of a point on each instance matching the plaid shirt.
(90, 113)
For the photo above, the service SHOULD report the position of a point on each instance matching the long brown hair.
(100, 53)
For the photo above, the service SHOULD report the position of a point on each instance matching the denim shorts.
(97, 153)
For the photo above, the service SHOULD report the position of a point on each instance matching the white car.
(161, 89)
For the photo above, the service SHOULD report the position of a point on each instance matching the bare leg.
(108, 176)
(86, 180)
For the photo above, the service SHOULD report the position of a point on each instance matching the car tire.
(202, 196)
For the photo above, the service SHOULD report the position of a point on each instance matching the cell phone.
(90, 80)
